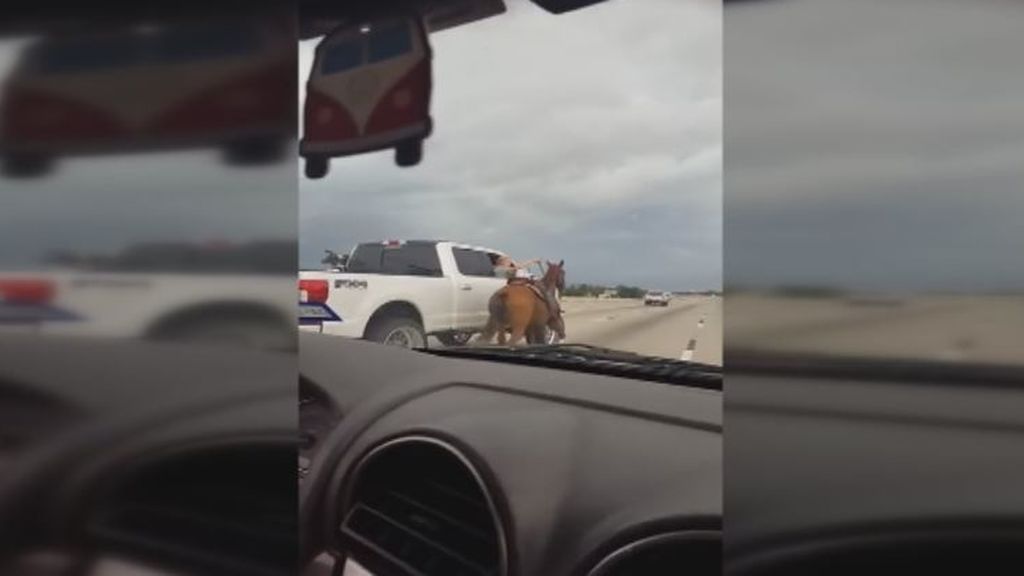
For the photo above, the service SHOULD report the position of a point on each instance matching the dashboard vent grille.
(227, 510)
(419, 508)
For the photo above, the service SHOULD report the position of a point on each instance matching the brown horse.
(525, 309)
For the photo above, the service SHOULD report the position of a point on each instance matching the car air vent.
(224, 510)
(697, 553)
(417, 506)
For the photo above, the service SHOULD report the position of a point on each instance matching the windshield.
(900, 239)
(582, 147)
(348, 49)
(388, 41)
(341, 56)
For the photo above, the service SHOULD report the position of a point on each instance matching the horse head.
(555, 275)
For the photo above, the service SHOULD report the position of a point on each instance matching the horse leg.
(558, 325)
(496, 320)
(488, 332)
(538, 323)
(518, 332)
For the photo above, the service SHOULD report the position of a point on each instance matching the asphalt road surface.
(983, 329)
(689, 328)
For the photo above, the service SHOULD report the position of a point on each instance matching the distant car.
(369, 89)
(207, 84)
(657, 298)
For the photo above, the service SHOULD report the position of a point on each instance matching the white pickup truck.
(400, 293)
(239, 294)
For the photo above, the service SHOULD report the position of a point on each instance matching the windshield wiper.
(596, 360)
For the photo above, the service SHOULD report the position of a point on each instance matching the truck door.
(475, 283)
(426, 285)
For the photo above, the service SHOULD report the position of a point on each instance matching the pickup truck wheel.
(398, 331)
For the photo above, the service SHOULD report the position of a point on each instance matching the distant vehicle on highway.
(207, 84)
(657, 298)
(401, 292)
(369, 89)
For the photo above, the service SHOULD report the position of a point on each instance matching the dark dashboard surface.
(880, 475)
(584, 464)
(156, 429)
(581, 464)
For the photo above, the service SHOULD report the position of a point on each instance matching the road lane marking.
(690, 347)
(692, 344)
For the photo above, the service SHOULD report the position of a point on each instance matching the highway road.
(982, 329)
(689, 328)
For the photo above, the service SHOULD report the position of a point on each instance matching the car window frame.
(484, 273)
(435, 267)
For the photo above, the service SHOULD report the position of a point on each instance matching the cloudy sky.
(866, 150)
(875, 144)
(594, 136)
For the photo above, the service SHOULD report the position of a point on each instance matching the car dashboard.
(409, 463)
(844, 466)
(450, 466)
(133, 457)
(169, 458)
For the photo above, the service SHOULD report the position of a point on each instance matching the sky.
(865, 150)
(875, 145)
(593, 137)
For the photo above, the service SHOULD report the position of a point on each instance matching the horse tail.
(497, 307)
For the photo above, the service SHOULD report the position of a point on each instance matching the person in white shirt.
(506, 267)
